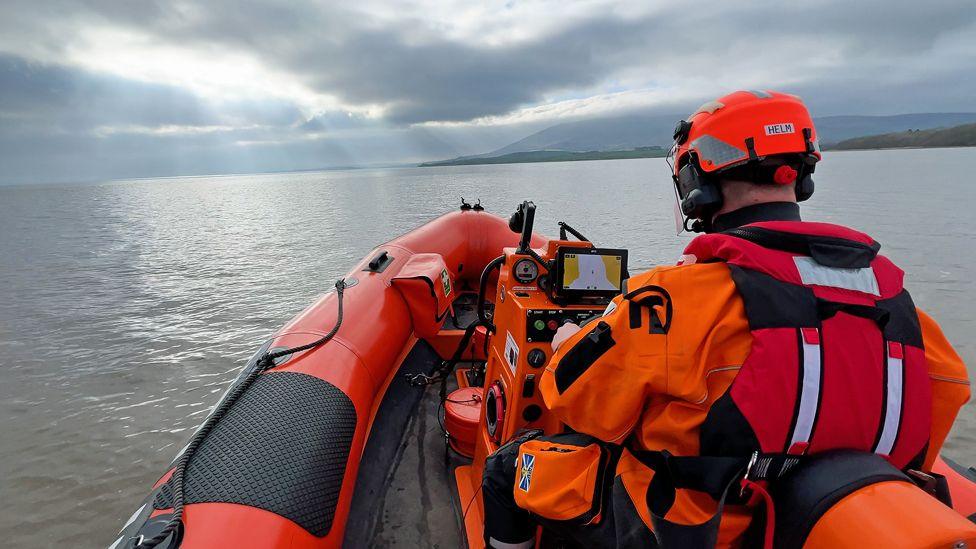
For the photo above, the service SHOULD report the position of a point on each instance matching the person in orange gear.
(773, 341)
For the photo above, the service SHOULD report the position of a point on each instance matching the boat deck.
(406, 495)
(419, 507)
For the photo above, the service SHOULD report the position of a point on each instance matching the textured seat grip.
(282, 447)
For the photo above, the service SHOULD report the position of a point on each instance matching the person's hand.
(563, 333)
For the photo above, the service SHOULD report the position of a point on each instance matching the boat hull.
(291, 478)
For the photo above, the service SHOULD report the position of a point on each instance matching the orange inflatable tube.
(324, 400)
(891, 514)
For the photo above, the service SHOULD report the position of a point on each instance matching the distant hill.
(628, 132)
(958, 136)
(599, 134)
(635, 130)
(834, 129)
(553, 156)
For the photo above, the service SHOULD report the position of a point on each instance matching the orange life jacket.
(704, 359)
(837, 363)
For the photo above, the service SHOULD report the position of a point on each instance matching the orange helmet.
(767, 134)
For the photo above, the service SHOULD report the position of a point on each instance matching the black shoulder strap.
(826, 250)
(827, 309)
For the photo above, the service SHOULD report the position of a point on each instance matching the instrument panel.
(541, 324)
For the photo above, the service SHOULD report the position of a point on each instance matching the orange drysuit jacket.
(659, 387)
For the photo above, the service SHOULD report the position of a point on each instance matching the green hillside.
(957, 136)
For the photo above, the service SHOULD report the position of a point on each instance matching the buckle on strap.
(928, 483)
(766, 467)
(752, 464)
(745, 483)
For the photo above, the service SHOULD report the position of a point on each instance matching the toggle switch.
(528, 388)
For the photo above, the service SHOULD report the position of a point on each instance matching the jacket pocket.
(562, 477)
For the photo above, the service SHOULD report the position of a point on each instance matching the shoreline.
(474, 162)
(900, 148)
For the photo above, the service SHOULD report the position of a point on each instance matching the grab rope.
(264, 363)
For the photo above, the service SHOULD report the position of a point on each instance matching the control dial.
(536, 358)
(526, 271)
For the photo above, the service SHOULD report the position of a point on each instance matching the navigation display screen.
(595, 272)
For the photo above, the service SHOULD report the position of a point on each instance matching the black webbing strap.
(715, 476)
(826, 250)
(826, 309)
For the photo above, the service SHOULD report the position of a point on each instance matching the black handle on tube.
(528, 220)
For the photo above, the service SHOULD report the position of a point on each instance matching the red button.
(552, 324)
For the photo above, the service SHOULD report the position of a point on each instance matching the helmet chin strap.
(697, 225)
(687, 224)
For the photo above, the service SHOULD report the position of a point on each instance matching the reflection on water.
(127, 307)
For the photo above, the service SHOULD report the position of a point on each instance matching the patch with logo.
(525, 472)
(780, 129)
(446, 282)
(511, 351)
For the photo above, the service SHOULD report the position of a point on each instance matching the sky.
(98, 89)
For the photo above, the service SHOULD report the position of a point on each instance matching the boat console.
(538, 290)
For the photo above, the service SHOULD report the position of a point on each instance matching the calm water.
(126, 307)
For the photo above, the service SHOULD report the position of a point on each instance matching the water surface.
(126, 307)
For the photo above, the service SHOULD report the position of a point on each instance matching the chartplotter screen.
(593, 270)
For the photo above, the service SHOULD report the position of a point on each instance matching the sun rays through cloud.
(300, 85)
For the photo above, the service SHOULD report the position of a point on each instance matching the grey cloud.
(69, 99)
(430, 78)
(336, 121)
(446, 81)
(420, 75)
(873, 57)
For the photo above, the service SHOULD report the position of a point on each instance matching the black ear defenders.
(804, 183)
(700, 196)
(804, 188)
(698, 192)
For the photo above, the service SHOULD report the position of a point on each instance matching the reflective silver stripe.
(815, 274)
(760, 94)
(716, 151)
(492, 542)
(892, 416)
(709, 107)
(809, 392)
